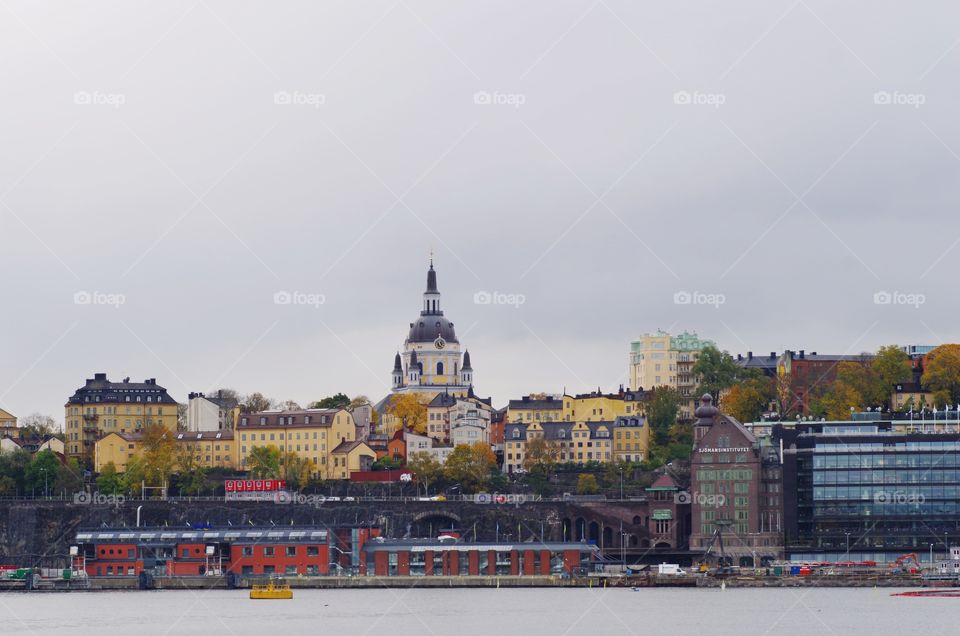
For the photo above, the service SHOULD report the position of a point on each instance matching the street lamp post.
(44, 471)
(931, 554)
(848, 544)
(621, 483)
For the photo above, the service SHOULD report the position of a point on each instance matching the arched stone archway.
(580, 530)
(594, 532)
(567, 529)
(608, 537)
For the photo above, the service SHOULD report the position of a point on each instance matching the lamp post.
(621, 483)
(848, 544)
(931, 554)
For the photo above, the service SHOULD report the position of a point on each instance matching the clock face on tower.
(439, 343)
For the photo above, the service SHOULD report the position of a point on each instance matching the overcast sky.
(182, 162)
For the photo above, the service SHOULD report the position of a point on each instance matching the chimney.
(773, 354)
(99, 376)
(749, 355)
(801, 354)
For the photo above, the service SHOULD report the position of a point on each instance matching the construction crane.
(723, 565)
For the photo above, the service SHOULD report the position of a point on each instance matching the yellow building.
(578, 442)
(118, 448)
(101, 407)
(211, 449)
(602, 407)
(631, 439)
(660, 359)
(7, 420)
(351, 456)
(311, 433)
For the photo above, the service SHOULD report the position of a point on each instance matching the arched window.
(439, 368)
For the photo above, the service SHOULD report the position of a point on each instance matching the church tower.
(431, 358)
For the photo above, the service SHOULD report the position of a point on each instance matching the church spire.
(431, 297)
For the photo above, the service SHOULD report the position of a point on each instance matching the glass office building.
(868, 492)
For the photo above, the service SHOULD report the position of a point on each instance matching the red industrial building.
(219, 551)
(429, 557)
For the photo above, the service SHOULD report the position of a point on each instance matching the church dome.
(428, 328)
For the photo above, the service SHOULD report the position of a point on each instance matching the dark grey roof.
(100, 389)
(526, 403)
(443, 399)
(429, 327)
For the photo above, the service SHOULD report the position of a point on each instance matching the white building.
(211, 413)
(423, 444)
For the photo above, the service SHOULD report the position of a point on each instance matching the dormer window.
(562, 434)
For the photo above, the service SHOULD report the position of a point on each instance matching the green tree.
(264, 462)
(470, 466)
(942, 371)
(41, 472)
(426, 470)
(338, 401)
(717, 371)
(890, 366)
(13, 468)
(69, 477)
(110, 482)
(587, 484)
(662, 410)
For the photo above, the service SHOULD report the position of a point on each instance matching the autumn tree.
(748, 400)
(540, 456)
(941, 373)
(193, 476)
(159, 454)
(263, 462)
(134, 476)
(470, 466)
(587, 484)
(410, 410)
(296, 470)
(290, 405)
(890, 367)
(426, 469)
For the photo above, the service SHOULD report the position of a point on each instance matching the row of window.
(887, 460)
(919, 476)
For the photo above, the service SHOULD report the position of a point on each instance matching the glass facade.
(870, 496)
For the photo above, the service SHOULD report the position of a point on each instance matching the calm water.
(504, 612)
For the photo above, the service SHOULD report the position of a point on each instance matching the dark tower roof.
(431, 280)
(414, 364)
(397, 366)
(466, 361)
